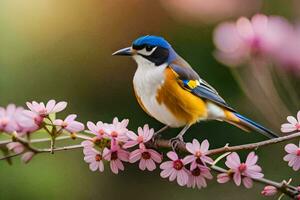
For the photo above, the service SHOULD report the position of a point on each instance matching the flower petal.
(292, 120)
(150, 164)
(251, 159)
(135, 156)
(142, 164)
(204, 146)
(237, 178)
(50, 105)
(291, 148)
(172, 155)
(248, 183)
(233, 160)
(59, 107)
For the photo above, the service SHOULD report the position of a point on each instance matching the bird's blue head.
(153, 48)
(151, 40)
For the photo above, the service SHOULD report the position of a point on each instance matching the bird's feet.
(155, 138)
(175, 142)
(157, 135)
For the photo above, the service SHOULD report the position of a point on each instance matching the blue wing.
(192, 82)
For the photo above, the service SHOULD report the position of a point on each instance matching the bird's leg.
(156, 135)
(179, 138)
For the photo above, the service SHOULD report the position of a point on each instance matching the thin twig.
(227, 148)
(10, 156)
(77, 146)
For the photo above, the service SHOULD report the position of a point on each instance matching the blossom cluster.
(293, 156)
(19, 122)
(113, 143)
(271, 38)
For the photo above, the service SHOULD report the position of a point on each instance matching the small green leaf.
(221, 157)
(52, 116)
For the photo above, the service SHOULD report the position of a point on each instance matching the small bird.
(169, 90)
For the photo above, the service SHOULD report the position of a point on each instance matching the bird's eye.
(149, 48)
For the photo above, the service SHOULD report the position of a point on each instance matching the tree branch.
(227, 148)
(283, 186)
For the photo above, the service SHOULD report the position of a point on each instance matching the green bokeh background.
(62, 49)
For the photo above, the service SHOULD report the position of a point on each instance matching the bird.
(171, 91)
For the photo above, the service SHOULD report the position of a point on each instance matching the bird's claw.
(174, 142)
(155, 138)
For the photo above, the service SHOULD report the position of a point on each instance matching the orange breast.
(181, 103)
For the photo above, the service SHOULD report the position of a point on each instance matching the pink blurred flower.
(116, 155)
(99, 129)
(144, 135)
(197, 177)
(16, 147)
(293, 156)
(69, 124)
(7, 119)
(117, 130)
(198, 151)
(193, 11)
(27, 156)
(242, 172)
(287, 57)
(269, 190)
(147, 158)
(175, 169)
(238, 42)
(293, 125)
(94, 158)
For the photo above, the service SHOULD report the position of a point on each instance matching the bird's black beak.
(123, 52)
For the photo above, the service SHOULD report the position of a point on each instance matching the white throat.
(147, 80)
(148, 77)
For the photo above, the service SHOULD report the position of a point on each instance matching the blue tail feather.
(255, 126)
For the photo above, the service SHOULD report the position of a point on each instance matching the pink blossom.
(116, 155)
(147, 158)
(94, 158)
(87, 143)
(16, 147)
(269, 190)
(69, 124)
(99, 129)
(197, 177)
(87, 146)
(51, 107)
(27, 156)
(144, 135)
(12, 119)
(7, 119)
(238, 42)
(38, 111)
(198, 151)
(293, 156)
(223, 177)
(23, 123)
(175, 169)
(293, 125)
(117, 130)
(243, 172)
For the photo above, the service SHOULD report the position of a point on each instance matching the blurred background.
(61, 49)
